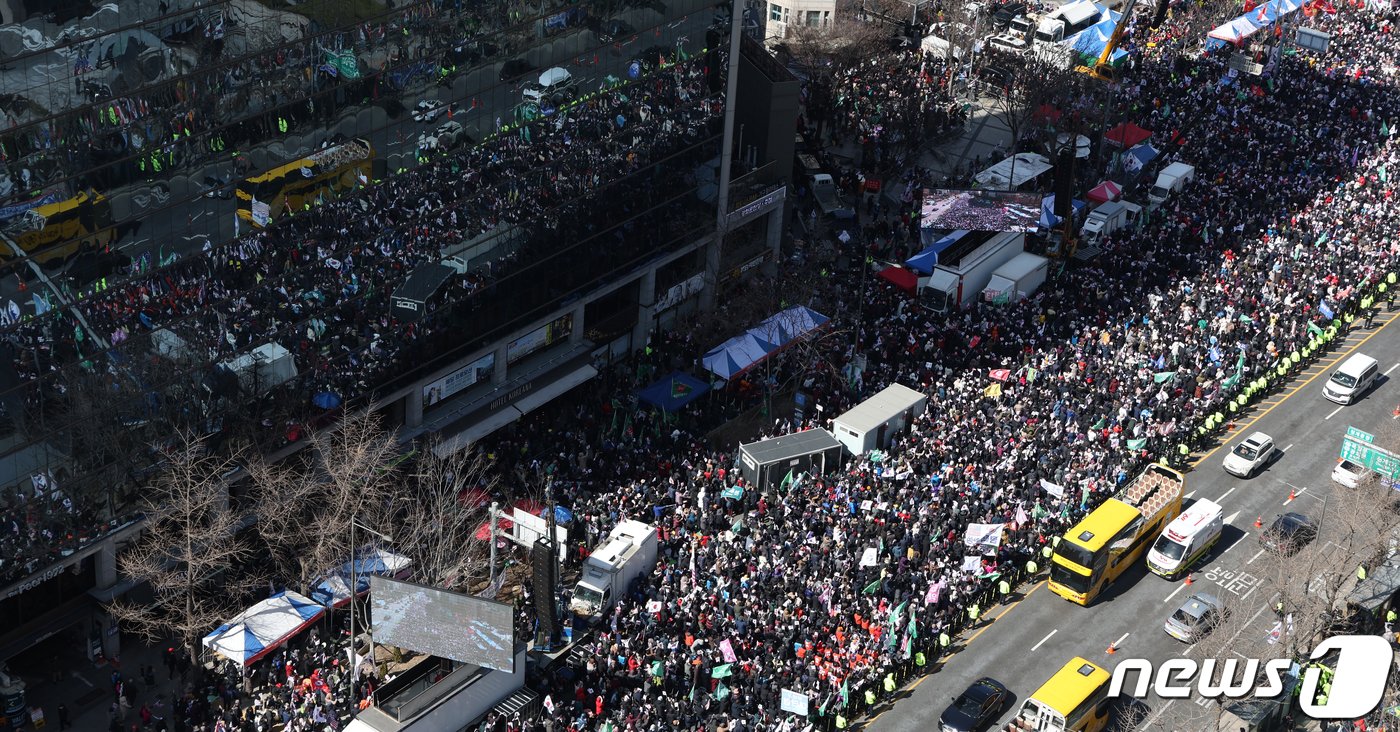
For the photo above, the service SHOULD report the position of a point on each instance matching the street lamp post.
(354, 597)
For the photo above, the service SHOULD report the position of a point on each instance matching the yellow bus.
(53, 232)
(1101, 547)
(1075, 699)
(324, 174)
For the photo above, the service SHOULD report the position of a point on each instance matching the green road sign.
(1369, 456)
(1360, 435)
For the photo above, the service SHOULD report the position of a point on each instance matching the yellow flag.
(992, 391)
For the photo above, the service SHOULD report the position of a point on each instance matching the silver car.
(1196, 618)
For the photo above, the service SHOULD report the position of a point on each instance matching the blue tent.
(674, 391)
(263, 627)
(925, 260)
(1048, 219)
(1137, 157)
(334, 590)
(734, 356)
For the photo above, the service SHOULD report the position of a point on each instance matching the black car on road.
(1288, 534)
(978, 706)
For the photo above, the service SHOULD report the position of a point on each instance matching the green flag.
(1384, 178)
(1245, 318)
(657, 669)
(1031, 374)
(1312, 328)
(871, 588)
(722, 672)
(787, 481)
(1162, 376)
(896, 614)
(1102, 423)
(914, 622)
(845, 692)
(1230, 382)
(1137, 444)
(721, 691)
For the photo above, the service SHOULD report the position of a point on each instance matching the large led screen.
(978, 210)
(447, 624)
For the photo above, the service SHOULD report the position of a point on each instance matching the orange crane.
(1103, 68)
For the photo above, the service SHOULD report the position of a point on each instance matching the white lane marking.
(1333, 413)
(1231, 518)
(1192, 494)
(1179, 588)
(1227, 494)
(1392, 368)
(1286, 449)
(1257, 554)
(1046, 638)
(1295, 494)
(79, 677)
(1119, 642)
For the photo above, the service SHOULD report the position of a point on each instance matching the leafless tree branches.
(437, 528)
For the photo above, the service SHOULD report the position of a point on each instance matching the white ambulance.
(1187, 538)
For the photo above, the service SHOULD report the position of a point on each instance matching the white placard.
(870, 558)
(1057, 491)
(793, 702)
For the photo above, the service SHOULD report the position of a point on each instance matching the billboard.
(447, 624)
(980, 210)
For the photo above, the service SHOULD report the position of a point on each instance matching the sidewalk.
(86, 688)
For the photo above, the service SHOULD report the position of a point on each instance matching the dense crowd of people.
(841, 585)
(891, 104)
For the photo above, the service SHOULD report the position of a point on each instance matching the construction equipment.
(1103, 68)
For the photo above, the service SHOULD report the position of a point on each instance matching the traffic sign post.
(1359, 447)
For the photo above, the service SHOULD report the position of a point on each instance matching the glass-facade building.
(235, 218)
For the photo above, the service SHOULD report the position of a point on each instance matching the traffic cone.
(1259, 522)
(1112, 649)
(1190, 579)
(1395, 412)
(1292, 494)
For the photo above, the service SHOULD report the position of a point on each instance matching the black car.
(977, 707)
(1288, 534)
(1007, 12)
(515, 68)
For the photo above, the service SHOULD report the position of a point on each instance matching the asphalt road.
(1024, 643)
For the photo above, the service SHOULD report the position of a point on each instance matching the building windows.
(776, 12)
(814, 18)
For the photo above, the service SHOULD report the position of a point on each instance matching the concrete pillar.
(714, 250)
(576, 335)
(106, 560)
(413, 408)
(646, 310)
(775, 232)
(498, 376)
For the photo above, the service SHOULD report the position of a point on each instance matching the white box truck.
(965, 269)
(1108, 218)
(1066, 21)
(1172, 179)
(1018, 278)
(628, 553)
(1188, 538)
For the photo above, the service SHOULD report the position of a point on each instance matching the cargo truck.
(629, 552)
(1172, 179)
(1018, 278)
(1108, 218)
(965, 268)
(824, 190)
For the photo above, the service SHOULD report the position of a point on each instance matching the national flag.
(992, 391)
(1000, 374)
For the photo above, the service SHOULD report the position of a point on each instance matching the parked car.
(615, 30)
(428, 110)
(1003, 14)
(446, 137)
(977, 707)
(1348, 473)
(515, 68)
(556, 86)
(1196, 618)
(1250, 456)
(1288, 534)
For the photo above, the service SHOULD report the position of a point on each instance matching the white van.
(1187, 538)
(1356, 374)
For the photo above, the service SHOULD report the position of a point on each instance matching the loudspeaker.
(542, 561)
(1064, 181)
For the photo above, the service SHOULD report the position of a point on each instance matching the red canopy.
(1046, 113)
(1127, 135)
(901, 278)
(1105, 192)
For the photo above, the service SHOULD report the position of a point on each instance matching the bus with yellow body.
(1101, 547)
(1075, 699)
(52, 233)
(322, 175)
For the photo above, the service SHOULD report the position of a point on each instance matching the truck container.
(824, 190)
(1172, 179)
(964, 269)
(1108, 218)
(629, 552)
(1018, 278)
(1066, 21)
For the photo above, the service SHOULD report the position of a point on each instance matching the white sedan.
(1348, 473)
(1250, 456)
(428, 111)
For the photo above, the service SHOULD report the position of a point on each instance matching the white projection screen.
(447, 624)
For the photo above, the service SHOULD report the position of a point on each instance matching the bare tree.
(437, 528)
(1016, 86)
(305, 505)
(825, 49)
(190, 553)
